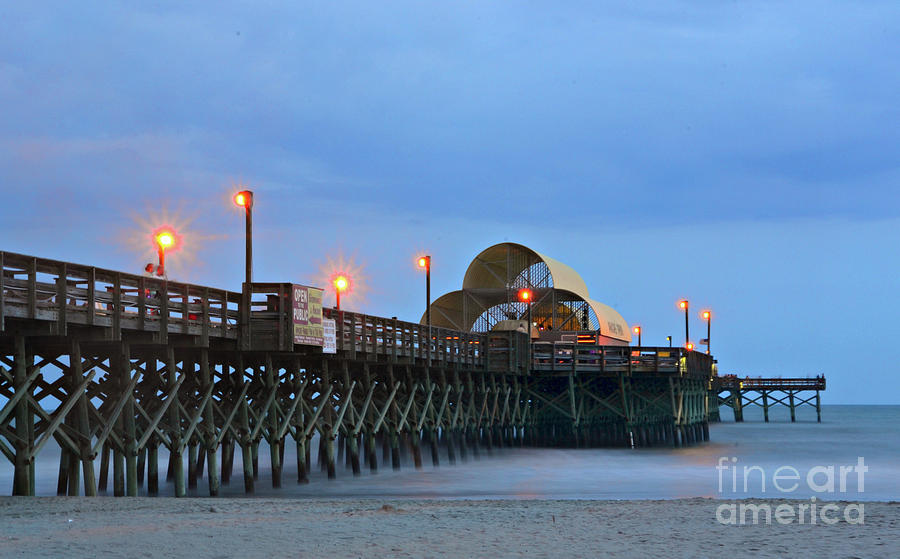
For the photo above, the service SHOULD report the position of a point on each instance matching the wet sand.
(261, 527)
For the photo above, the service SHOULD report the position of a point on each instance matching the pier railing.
(565, 357)
(63, 293)
(733, 382)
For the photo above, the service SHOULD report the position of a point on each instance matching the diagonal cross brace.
(260, 419)
(347, 403)
(384, 410)
(315, 417)
(54, 425)
(196, 419)
(173, 395)
(409, 404)
(291, 410)
(425, 409)
(234, 409)
(11, 404)
(120, 405)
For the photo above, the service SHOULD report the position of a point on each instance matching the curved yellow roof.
(490, 275)
(612, 325)
(565, 277)
(503, 262)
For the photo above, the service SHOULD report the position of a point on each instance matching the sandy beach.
(223, 528)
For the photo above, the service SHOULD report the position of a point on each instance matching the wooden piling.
(104, 468)
(82, 421)
(22, 472)
(209, 432)
(128, 422)
(175, 451)
(245, 441)
(152, 467)
(272, 383)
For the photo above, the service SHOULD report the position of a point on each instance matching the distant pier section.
(739, 393)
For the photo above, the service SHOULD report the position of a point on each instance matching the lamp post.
(669, 339)
(244, 199)
(684, 306)
(707, 316)
(637, 330)
(340, 284)
(526, 296)
(165, 239)
(424, 262)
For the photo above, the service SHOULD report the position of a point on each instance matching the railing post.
(164, 313)
(92, 295)
(61, 319)
(246, 297)
(32, 287)
(117, 307)
(352, 335)
(394, 340)
(185, 309)
(142, 303)
(204, 317)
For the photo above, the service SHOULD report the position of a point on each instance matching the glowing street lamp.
(526, 296)
(424, 262)
(669, 339)
(707, 316)
(684, 306)
(689, 346)
(341, 283)
(244, 199)
(165, 239)
(637, 330)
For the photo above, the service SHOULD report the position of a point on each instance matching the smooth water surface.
(846, 434)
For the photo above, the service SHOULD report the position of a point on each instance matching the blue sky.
(743, 155)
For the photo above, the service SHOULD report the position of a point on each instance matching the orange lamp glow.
(424, 262)
(244, 199)
(525, 295)
(683, 304)
(689, 346)
(706, 315)
(341, 283)
(165, 239)
(637, 329)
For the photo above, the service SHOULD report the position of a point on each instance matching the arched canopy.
(560, 299)
(509, 265)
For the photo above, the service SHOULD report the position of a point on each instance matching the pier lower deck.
(792, 393)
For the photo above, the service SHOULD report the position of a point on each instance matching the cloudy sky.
(745, 155)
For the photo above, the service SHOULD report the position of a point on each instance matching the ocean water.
(805, 452)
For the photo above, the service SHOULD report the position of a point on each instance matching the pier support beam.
(209, 431)
(176, 450)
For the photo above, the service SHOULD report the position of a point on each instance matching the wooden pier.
(109, 364)
(739, 393)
